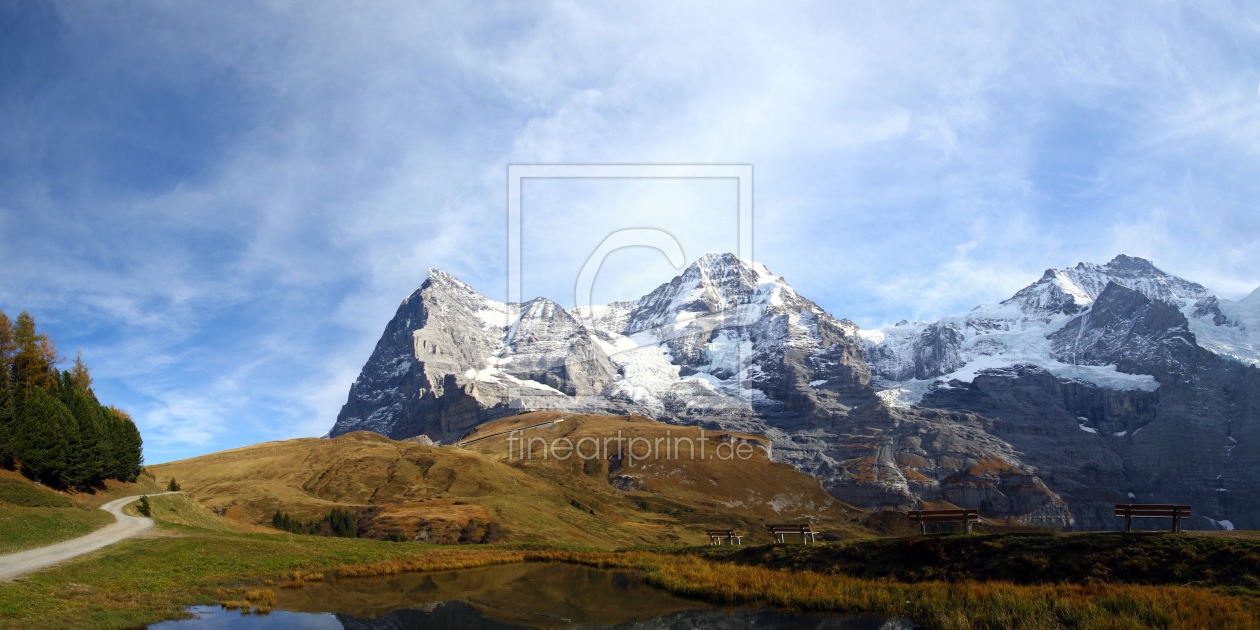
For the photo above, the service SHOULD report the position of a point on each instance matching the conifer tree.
(77, 470)
(8, 418)
(126, 445)
(80, 375)
(118, 446)
(95, 458)
(31, 361)
(41, 444)
(51, 420)
(7, 348)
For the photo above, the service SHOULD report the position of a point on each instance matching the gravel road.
(15, 564)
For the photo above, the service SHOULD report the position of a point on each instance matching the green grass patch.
(23, 528)
(26, 495)
(143, 581)
(964, 582)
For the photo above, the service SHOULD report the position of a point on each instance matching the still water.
(503, 598)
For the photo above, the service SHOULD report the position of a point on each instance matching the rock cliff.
(1092, 385)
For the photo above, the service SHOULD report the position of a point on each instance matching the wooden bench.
(1130, 511)
(969, 517)
(779, 532)
(717, 535)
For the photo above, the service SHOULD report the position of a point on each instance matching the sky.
(221, 204)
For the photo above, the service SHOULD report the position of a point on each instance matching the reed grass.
(266, 596)
(307, 577)
(967, 605)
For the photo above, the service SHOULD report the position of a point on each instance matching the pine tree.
(8, 417)
(173, 486)
(7, 348)
(135, 451)
(77, 470)
(41, 444)
(31, 367)
(48, 351)
(344, 524)
(95, 458)
(80, 375)
(125, 444)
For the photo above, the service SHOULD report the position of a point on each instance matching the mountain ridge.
(891, 418)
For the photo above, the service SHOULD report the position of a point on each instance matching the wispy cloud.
(224, 203)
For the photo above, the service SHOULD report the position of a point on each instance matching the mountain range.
(1095, 384)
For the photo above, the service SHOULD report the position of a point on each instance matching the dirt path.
(15, 564)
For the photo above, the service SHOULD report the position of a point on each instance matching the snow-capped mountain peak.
(910, 359)
(1048, 388)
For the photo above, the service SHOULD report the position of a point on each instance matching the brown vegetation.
(261, 596)
(478, 494)
(946, 606)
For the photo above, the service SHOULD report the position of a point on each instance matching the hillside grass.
(195, 560)
(176, 510)
(23, 528)
(34, 516)
(145, 580)
(429, 494)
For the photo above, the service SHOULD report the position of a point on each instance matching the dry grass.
(299, 578)
(428, 494)
(443, 560)
(308, 577)
(263, 596)
(945, 606)
(230, 604)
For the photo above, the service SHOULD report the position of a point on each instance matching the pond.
(503, 598)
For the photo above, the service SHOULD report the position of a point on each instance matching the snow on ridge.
(1016, 331)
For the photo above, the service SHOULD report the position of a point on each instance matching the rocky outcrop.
(1087, 388)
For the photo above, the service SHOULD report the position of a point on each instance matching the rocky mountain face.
(1091, 386)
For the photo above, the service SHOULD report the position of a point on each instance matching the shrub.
(471, 533)
(396, 537)
(492, 533)
(143, 507)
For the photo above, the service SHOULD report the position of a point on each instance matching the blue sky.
(223, 203)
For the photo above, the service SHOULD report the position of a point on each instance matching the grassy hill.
(34, 516)
(449, 494)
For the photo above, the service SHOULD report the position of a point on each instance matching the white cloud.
(905, 161)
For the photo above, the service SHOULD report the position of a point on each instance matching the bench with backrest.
(716, 536)
(1130, 511)
(967, 516)
(780, 531)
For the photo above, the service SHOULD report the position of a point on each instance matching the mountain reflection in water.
(507, 597)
